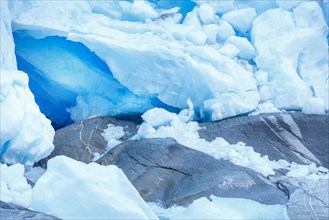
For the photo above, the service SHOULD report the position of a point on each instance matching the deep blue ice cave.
(59, 70)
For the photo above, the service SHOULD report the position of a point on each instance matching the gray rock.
(310, 201)
(82, 139)
(292, 136)
(11, 212)
(167, 172)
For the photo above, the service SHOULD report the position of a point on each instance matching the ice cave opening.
(71, 83)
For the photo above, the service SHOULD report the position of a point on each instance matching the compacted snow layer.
(71, 189)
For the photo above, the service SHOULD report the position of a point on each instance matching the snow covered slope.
(89, 58)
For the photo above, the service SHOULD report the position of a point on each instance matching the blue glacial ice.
(88, 58)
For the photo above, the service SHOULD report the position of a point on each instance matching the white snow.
(314, 105)
(73, 190)
(222, 208)
(13, 185)
(241, 19)
(112, 135)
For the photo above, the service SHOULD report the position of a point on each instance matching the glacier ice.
(89, 58)
(241, 19)
(13, 185)
(314, 105)
(82, 83)
(26, 134)
(293, 49)
(87, 191)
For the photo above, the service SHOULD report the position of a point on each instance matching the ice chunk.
(26, 134)
(90, 191)
(247, 51)
(158, 116)
(292, 47)
(314, 105)
(112, 135)
(288, 5)
(222, 208)
(197, 38)
(207, 14)
(211, 31)
(218, 6)
(225, 31)
(138, 10)
(241, 19)
(229, 50)
(13, 185)
(259, 7)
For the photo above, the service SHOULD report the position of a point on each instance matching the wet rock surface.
(10, 212)
(292, 136)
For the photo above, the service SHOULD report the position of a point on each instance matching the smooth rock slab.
(310, 201)
(10, 212)
(164, 171)
(81, 140)
(292, 136)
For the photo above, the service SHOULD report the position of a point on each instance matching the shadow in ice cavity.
(67, 75)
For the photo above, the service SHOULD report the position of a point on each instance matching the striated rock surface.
(292, 136)
(164, 171)
(10, 212)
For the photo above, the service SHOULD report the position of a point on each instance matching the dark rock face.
(167, 172)
(293, 136)
(81, 140)
(10, 212)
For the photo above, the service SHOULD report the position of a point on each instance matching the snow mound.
(13, 185)
(87, 191)
(222, 208)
